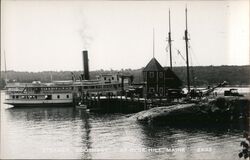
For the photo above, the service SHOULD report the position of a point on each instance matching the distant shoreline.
(117, 70)
(202, 76)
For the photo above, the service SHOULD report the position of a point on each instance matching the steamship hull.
(40, 103)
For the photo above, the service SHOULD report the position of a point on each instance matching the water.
(69, 133)
(220, 90)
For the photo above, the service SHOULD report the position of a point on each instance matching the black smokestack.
(85, 64)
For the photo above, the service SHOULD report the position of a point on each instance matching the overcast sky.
(50, 35)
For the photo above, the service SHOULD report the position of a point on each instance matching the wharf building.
(160, 82)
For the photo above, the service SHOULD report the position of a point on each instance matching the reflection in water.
(86, 137)
(40, 114)
(38, 132)
(216, 143)
(71, 133)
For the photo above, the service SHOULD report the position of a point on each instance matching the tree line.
(199, 75)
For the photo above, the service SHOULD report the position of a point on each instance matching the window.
(161, 90)
(151, 74)
(58, 96)
(105, 78)
(112, 78)
(160, 74)
(67, 96)
(151, 89)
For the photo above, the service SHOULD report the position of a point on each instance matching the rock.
(153, 113)
(216, 110)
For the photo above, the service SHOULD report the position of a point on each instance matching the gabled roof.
(153, 65)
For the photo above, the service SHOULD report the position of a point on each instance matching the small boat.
(81, 106)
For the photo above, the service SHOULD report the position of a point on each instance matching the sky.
(50, 35)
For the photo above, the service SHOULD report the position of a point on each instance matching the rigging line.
(181, 59)
(179, 53)
(193, 58)
(166, 49)
(194, 55)
(192, 71)
(5, 65)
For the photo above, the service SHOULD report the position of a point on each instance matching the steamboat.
(67, 92)
(62, 93)
(39, 94)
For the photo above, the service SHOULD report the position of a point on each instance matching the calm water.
(69, 133)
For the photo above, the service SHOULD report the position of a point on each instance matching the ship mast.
(170, 40)
(186, 40)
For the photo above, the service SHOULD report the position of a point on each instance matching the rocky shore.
(219, 110)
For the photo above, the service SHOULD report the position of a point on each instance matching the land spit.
(228, 110)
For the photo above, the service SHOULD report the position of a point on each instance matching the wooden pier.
(122, 104)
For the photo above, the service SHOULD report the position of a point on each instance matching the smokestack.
(85, 64)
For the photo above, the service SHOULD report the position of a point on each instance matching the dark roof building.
(158, 80)
(153, 65)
